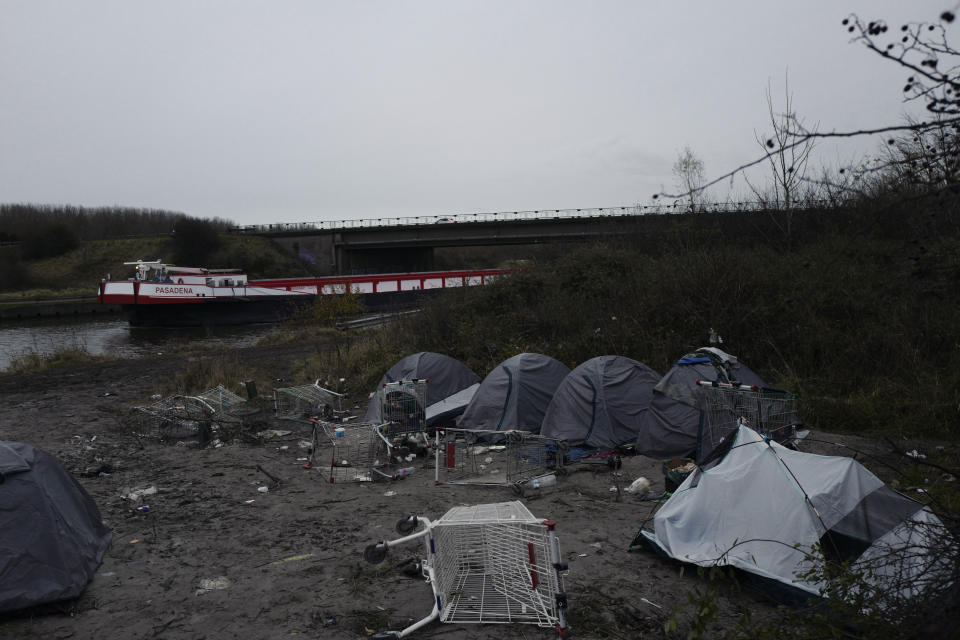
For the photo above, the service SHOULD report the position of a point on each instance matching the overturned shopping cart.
(303, 402)
(183, 416)
(488, 563)
(725, 407)
(494, 458)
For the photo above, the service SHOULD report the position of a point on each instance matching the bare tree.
(788, 161)
(689, 173)
(933, 65)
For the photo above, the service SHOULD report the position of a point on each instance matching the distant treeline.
(49, 230)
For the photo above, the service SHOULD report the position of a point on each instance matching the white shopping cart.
(487, 563)
(728, 406)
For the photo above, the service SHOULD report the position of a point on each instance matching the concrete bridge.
(408, 243)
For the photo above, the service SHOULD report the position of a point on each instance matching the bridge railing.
(511, 216)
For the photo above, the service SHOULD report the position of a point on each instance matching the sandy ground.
(289, 563)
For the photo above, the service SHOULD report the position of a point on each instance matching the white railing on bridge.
(510, 216)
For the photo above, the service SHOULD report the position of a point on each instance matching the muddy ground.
(289, 563)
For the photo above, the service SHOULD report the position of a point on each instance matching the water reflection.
(116, 337)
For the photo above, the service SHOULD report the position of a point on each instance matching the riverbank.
(11, 311)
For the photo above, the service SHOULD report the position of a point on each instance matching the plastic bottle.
(404, 472)
(340, 432)
(538, 484)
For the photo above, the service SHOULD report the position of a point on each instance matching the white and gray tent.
(763, 508)
(53, 536)
(515, 394)
(670, 427)
(446, 376)
(600, 403)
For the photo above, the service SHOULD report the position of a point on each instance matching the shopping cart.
(727, 406)
(495, 458)
(359, 451)
(488, 563)
(402, 406)
(180, 417)
(302, 403)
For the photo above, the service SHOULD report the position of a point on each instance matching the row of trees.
(44, 231)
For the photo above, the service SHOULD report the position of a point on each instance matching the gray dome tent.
(515, 394)
(53, 536)
(600, 403)
(446, 377)
(670, 426)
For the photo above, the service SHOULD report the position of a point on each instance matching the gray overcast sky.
(284, 110)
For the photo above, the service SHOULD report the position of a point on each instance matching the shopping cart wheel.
(375, 553)
(405, 526)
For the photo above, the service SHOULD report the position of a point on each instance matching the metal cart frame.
(489, 563)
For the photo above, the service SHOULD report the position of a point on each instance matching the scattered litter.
(108, 574)
(284, 448)
(599, 547)
(329, 622)
(249, 501)
(263, 489)
(273, 433)
(640, 485)
(93, 439)
(302, 459)
(145, 507)
(390, 494)
(137, 494)
(305, 444)
(302, 556)
(581, 555)
(212, 584)
(652, 604)
(411, 457)
(921, 490)
(916, 454)
(155, 396)
(135, 541)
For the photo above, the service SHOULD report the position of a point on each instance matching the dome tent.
(669, 428)
(53, 536)
(515, 394)
(446, 377)
(600, 403)
(767, 509)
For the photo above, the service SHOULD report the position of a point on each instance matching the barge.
(166, 295)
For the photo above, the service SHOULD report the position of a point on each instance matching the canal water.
(115, 337)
